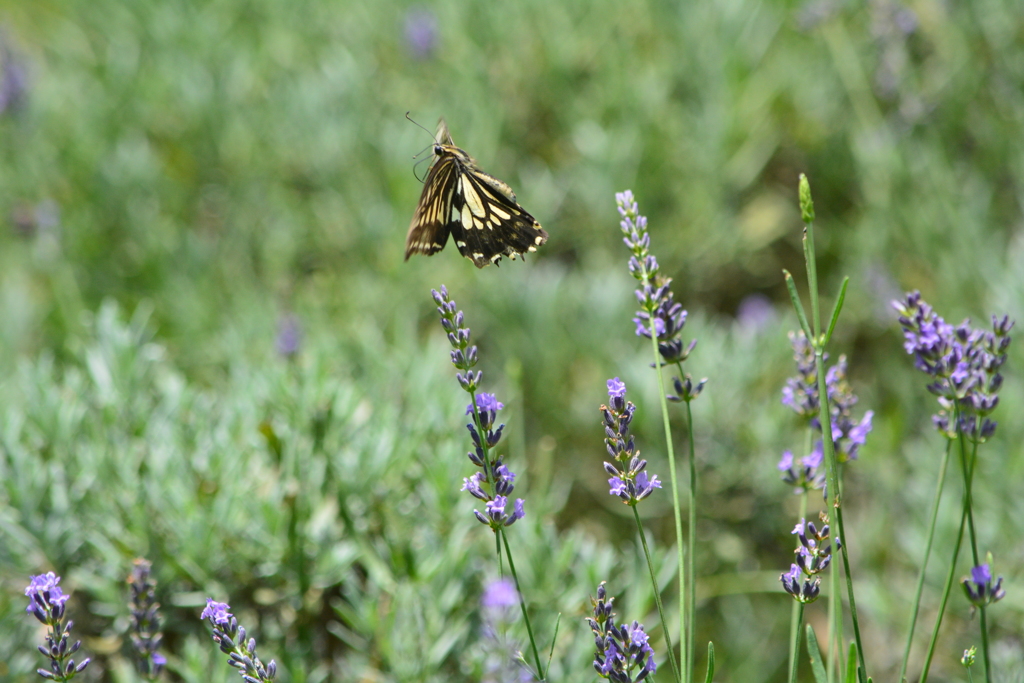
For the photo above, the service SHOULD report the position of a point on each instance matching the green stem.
(796, 614)
(686, 664)
(924, 563)
(945, 598)
(657, 594)
(522, 605)
(967, 465)
(794, 639)
(503, 539)
(691, 549)
(831, 464)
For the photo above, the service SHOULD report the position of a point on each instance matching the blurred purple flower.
(755, 312)
(979, 587)
(13, 77)
(500, 594)
(420, 32)
(289, 335)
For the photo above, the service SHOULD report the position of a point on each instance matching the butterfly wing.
(429, 229)
(488, 222)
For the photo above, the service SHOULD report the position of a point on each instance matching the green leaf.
(817, 665)
(838, 307)
(797, 306)
(851, 664)
(711, 663)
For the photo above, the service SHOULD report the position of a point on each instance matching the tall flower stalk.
(819, 338)
(965, 364)
(661, 319)
(494, 483)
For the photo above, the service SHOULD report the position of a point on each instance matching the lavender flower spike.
(657, 306)
(146, 636)
(46, 603)
(496, 482)
(623, 653)
(964, 362)
(629, 480)
(231, 639)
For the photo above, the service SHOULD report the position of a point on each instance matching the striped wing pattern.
(478, 210)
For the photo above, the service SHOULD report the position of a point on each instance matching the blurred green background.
(179, 181)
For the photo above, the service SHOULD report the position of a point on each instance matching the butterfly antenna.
(417, 123)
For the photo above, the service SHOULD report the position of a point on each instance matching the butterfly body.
(479, 211)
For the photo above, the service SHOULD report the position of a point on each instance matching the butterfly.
(480, 211)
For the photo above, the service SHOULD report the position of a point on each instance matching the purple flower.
(755, 312)
(623, 653)
(979, 588)
(216, 612)
(289, 336)
(146, 636)
(45, 596)
(815, 553)
(487, 406)
(495, 516)
(616, 388)
(657, 307)
(801, 395)
(231, 638)
(500, 594)
(964, 362)
(46, 603)
(472, 484)
(420, 32)
(13, 77)
(496, 481)
(806, 475)
(802, 589)
(629, 480)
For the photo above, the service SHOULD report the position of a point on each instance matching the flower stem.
(794, 639)
(831, 464)
(924, 562)
(691, 549)
(967, 466)
(796, 614)
(945, 599)
(522, 606)
(686, 664)
(657, 595)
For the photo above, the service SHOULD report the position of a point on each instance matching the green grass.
(219, 164)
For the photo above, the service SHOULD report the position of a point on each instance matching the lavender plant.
(46, 603)
(230, 637)
(623, 653)
(965, 366)
(847, 435)
(661, 319)
(146, 635)
(495, 482)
